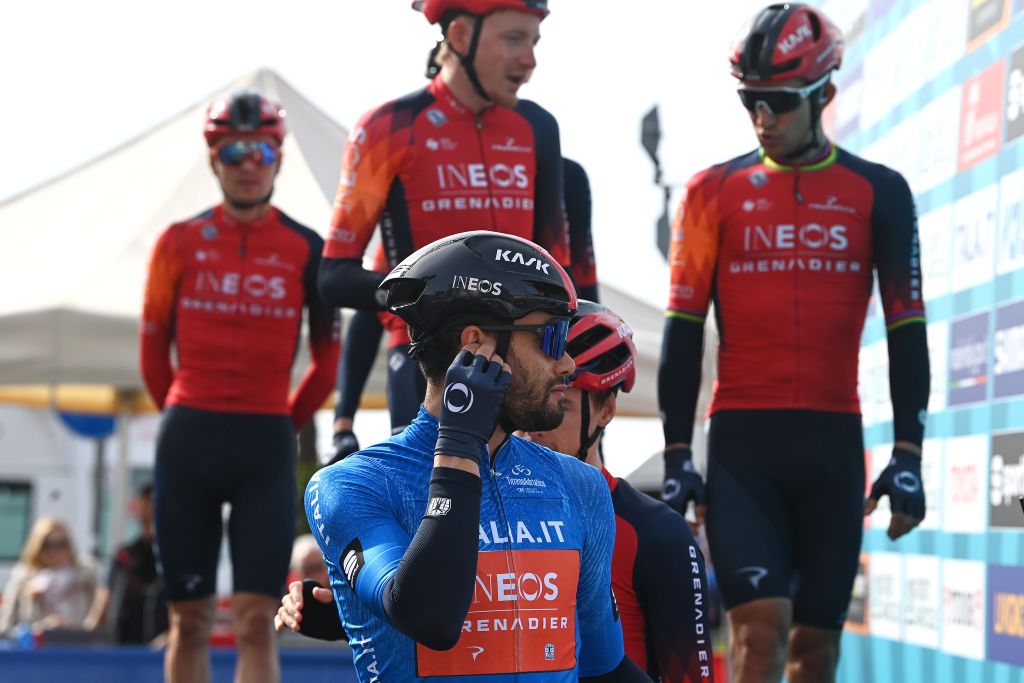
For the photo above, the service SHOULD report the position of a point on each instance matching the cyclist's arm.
(372, 158)
(672, 584)
(324, 343)
(581, 242)
(358, 353)
(898, 263)
(549, 225)
(422, 585)
(158, 311)
(692, 258)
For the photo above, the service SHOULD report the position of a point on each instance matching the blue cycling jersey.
(542, 608)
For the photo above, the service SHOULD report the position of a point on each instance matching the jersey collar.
(828, 160)
(612, 481)
(225, 219)
(444, 96)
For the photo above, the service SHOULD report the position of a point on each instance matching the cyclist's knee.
(758, 635)
(253, 622)
(813, 655)
(191, 623)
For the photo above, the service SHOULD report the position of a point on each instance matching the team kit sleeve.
(371, 161)
(673, 588)
(693, 254)
(549, 225)
(578, 212)
(158, 310)
(898, 265)
(422, 585)
(324, 345)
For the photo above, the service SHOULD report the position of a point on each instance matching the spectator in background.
(50, 586)
(308, 561)
(133, 604)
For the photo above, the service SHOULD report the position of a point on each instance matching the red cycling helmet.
(601, 344)
(435, 9)
(787, 41)
(245, 112)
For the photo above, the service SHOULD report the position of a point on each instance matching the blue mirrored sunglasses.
(234, 153)
(552, 334)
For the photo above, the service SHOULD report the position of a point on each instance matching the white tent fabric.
(75, 250)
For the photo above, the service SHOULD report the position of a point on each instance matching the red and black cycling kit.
(787, 254)
(661, 587)
(230, 296)
(424, 166)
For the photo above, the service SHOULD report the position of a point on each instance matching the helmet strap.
(467, 59)
(504, 341)
(586, 438)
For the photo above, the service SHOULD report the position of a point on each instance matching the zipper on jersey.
(487, 170)
(509, 547)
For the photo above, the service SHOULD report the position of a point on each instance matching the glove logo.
(907, 481)
(671, 489)
(458, 398)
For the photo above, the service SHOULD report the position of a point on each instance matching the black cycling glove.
(901, 481)
(345, 444)
(682, 481)
(319, 620)
(474, 391)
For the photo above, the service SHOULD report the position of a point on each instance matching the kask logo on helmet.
(509, 256)
(458, 398)
(793, 40)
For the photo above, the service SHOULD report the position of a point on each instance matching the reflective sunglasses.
(234, 153)
(552, 334)
(778, 100)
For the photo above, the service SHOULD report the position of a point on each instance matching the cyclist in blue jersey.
(658, 571)
(454, 548)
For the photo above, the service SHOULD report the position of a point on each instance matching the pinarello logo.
(458, 398)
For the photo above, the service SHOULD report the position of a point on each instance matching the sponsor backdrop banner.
(935, 90)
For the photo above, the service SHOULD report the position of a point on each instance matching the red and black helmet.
(477, 272)
(434, 10)
(601, 344)
(787, 41)
(245, 112)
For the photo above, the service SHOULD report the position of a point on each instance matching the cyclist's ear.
(827, 93)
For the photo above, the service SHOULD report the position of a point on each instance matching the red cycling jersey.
(424, 166)
(787, 254)
(230, 296)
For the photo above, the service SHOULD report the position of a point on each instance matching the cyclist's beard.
(250, 204)
(529, 404)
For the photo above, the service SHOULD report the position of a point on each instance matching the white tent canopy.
(75, 250)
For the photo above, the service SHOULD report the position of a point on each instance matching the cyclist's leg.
(262, 530)
(187, 521)
(749, 537)
(828, 524)
(361, 343)
(406, 387)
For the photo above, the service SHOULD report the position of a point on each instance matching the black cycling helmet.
(477, 272)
